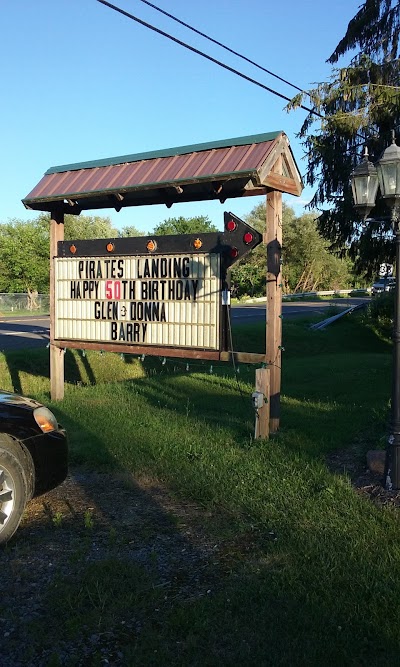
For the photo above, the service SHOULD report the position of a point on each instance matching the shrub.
(381, 312)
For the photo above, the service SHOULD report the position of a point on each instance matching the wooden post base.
(262, 414)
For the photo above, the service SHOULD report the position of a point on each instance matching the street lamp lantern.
(389, 175)
(364, 182)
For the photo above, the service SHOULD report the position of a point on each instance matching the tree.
(375, 28)
(25, 248)
(129, 230)
(92, 227)
(24, 256)
(88, 227)
(249, 274)
(359, 106)
(181, 225)
(308, 264)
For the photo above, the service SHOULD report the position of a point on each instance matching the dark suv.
(383, 285)
(33, 456)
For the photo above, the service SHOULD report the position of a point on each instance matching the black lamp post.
(365, 180)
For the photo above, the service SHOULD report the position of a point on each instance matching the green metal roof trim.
(166, 152)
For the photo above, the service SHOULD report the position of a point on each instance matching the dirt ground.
(368, 482)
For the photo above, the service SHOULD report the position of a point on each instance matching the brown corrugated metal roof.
(218, 170)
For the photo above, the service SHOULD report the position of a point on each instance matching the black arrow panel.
(232, 245)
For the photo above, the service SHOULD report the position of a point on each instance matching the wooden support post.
(262, 414)
(56, 354)
(273, 239)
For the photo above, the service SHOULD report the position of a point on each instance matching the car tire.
(16, 484)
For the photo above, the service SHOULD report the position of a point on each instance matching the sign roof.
(215, 170)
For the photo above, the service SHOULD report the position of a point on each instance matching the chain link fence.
(18, 304)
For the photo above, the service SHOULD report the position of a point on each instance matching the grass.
(23, 312)
(308, 571)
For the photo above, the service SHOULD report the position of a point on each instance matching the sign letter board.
(159, 300)
(148, 293)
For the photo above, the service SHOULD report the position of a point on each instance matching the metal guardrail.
(299, 295)
(329, 320)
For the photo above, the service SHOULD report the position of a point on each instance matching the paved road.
(25, 332)
(22, 332)
(256, 312)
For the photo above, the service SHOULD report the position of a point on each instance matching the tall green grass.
(307, 572)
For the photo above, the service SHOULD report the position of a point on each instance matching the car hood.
(9, 399)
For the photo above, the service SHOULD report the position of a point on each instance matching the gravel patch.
(90, 518)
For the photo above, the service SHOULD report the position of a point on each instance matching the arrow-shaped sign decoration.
(234, 242)
(239, 238)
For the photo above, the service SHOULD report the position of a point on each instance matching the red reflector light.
(233, 252)
(231, 225)
(248, 237)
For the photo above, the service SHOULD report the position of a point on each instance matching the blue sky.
(81, 82)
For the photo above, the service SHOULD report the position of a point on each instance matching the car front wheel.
(16, 484)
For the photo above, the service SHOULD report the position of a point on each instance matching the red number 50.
(113, 289)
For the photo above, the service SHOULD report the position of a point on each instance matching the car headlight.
(45, 419)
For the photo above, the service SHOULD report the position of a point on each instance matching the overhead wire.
(205, 55)
(223, 46)
(218, 62)
(252, 62)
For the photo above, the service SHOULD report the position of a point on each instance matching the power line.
(240, 55)
(215, 41)
(214, 60)
(204, 55)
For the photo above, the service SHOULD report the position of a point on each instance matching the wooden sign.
(149, 293)
(158, 301)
